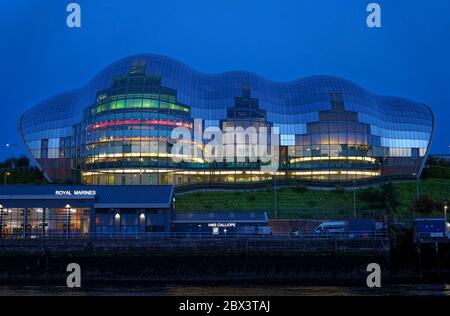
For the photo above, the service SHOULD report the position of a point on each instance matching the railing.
(355, 235)
(432, 236)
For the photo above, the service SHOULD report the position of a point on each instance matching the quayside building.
(72, 211)
(63, 211)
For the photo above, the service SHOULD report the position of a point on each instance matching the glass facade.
(38, 222)
(117, 129)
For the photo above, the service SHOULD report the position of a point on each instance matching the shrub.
(426, 204)
(339, 190)
(436, 172)
(385, 199)
(300, 189)
(390, 197)
(373, 198)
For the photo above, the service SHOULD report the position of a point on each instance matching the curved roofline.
(430, 143)
(235, 71)
(100, 73)
(28, 152)
(287, 82)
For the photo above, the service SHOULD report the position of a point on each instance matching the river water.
(228, 290)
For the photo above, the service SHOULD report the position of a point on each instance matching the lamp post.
(275, 193)
(1, 221)
(6, 173)
(445, 217)
(68, 220)
(417, 185)
(354, 200)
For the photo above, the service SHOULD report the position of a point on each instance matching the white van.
(337, 227)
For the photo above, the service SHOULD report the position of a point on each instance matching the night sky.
(278, 39)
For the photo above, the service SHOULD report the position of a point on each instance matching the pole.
(9, 146)
(354, 200)
(275, 179)
(67, 220)
(43, 223)
(445, 217)
(25, 223)
(1, 221)
(68, 223)
(417, 186)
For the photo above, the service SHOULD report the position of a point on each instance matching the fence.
(431, 237)
(365, 235)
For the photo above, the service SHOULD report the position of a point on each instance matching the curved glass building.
(117, 129)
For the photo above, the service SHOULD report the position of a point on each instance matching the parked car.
(334, 227)
(352, 227)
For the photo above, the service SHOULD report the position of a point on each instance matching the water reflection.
(228, 290)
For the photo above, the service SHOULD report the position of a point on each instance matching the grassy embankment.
(305, 203)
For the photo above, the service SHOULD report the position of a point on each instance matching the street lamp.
(354, 200)
(6, 173)
(1, 221)
(68, 220)
(445, 217)
(117, 222)
(417, 184)
(275, 195)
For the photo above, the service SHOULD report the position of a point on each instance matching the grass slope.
(304, 203)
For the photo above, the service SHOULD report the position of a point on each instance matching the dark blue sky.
(281, 40)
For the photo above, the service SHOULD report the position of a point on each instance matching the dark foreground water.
(228, 290)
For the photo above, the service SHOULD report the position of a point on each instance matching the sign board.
(75, 192)
(221, 224)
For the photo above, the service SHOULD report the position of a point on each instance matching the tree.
(426, 204)
(22, 162)
(390, 198)
(385, 198)
(372, 197)
(19, 171)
